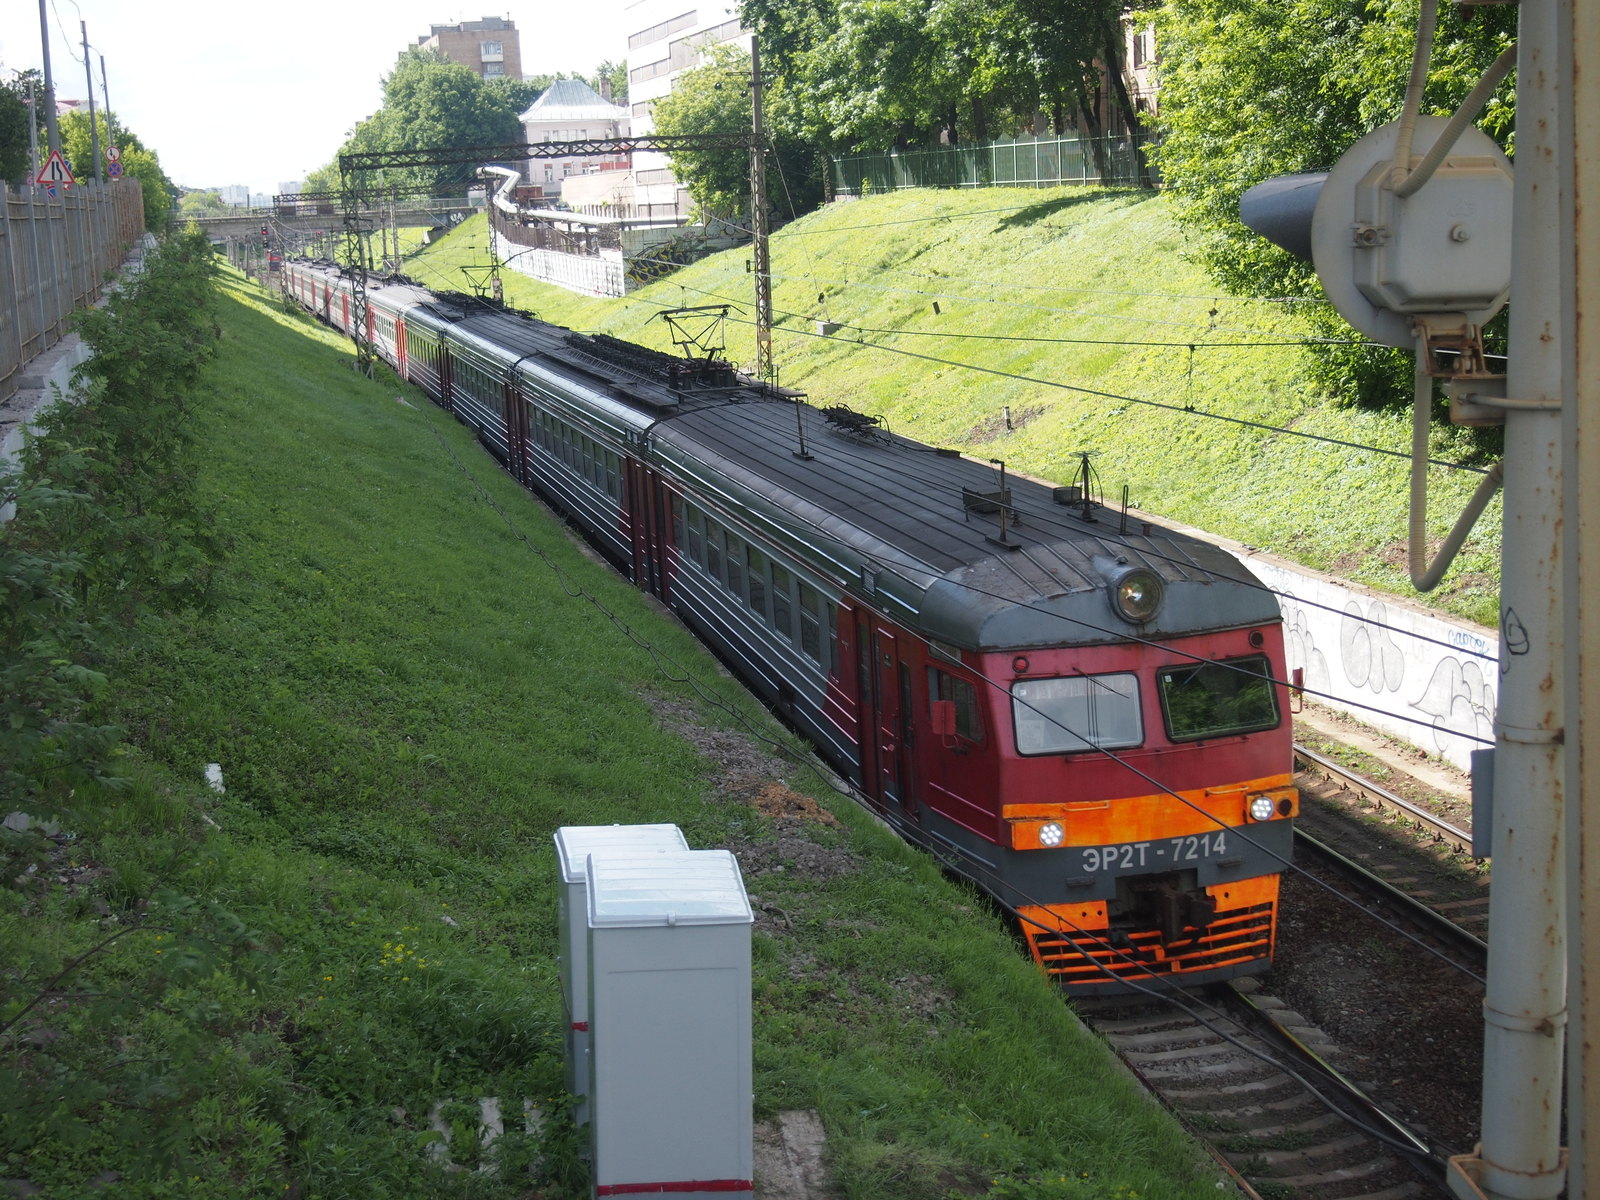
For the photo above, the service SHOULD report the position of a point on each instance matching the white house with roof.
(568, 111)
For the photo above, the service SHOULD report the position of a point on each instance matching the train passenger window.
(1073, 713)
(757, 594)
(735, 565)
(833, 639)
(810, 621)
(1218, 699)
(678, 537)
(782, 586)
(714, 548)
(944, 686)
(613, 475)
(697, 536)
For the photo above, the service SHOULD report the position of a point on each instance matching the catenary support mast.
(1520, 1157)
(758, 222)
(1578, 283)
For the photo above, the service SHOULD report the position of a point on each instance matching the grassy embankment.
(1105, 274)
(406, 699)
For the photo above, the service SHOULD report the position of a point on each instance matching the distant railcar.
(1086, 720)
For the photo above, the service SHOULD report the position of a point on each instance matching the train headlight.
(1137, 595)
(1051, 833)
(1262, 808)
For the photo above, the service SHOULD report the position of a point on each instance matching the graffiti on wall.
(1419, 678)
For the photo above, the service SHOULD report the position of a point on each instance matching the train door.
(516, 410)
(633, 519)
(885, 681)
(644, 509)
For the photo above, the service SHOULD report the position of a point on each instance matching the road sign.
(55, 173)
(114, 169)
(113, 153)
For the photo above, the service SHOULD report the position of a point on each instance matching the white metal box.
(669, 1026)
(574, 845)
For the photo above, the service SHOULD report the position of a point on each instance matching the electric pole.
(1575, 277)
(94, 129)
(1525, 1002)
(52, 133)
(758, 221)
(105, 95)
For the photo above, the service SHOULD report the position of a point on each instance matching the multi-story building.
(669, 37)
(570, 111)
(491, 47)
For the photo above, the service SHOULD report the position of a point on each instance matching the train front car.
(1141, 752)
(1083, 713)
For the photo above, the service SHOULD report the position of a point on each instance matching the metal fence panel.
(1027, 161)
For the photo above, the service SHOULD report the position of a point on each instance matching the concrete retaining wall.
(1421, 677)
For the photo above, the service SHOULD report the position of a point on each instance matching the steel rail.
(1414, 908)
(1369, 1113)
(1437, 826)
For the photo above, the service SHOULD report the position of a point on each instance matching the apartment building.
(491, 47)
(668, 38)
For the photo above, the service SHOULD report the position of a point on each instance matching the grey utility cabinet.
(669, 1026)
(574, 845)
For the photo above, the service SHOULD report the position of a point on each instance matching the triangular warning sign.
(55, 171)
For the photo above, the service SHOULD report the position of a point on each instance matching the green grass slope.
(1078, 310)
(413, 677)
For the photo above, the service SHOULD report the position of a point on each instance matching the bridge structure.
(355, 192)
(309, 216)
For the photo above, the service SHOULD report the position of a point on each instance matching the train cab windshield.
(1076, 712)
(1218, 699)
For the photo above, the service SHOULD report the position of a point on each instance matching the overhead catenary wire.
(1305, 601)
(687, 677)
(1250, 581)
(909, 564)
(1088, 391)
(1176, 996)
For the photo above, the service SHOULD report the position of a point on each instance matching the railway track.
(1248, 1075)
(1428, 822)
(1412, 863)
(1292, 1081)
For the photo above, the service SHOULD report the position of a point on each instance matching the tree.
(613, 73)
(15, 163)
(432, 103)
(158, 190)
(519, 94)
(715, 98)
(137, 161)
(201, 204)
(1256, 88)
(870, 74)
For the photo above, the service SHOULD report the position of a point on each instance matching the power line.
(1251, 582)
(1051, 383)
(972, 869)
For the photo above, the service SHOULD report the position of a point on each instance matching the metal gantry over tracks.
(355, 169)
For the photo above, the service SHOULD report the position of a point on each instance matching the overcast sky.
(262, 94)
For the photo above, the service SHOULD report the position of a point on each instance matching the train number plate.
(1164, 852)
